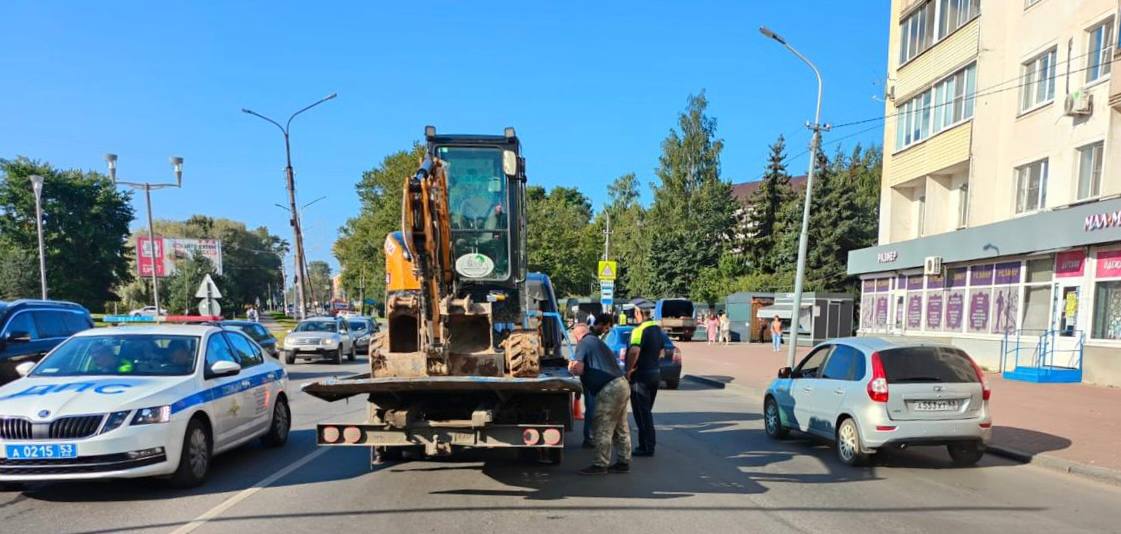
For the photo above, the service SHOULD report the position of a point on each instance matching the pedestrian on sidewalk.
(712, 328)
(603, 380)
(776, 334)
(644, 374)
(725, 328)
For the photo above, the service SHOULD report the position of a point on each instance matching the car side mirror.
(785, 372)
(224, 368)
(25, 368)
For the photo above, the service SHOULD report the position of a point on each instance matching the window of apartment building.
(946, 104)
(932, 22)
(1031, 186)
(1039, 80)
(1099, 53)
(953, 14)
(963, 205)
(1090, 170)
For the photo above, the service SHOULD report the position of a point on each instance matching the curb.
(706, 381)
(1093, 472)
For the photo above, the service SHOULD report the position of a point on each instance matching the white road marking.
(247, 492)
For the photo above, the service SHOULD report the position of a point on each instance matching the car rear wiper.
(917, 379)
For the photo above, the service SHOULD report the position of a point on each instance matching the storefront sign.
(956, 277)
(1102, 220)
(1109, 263)
(935, 281)
(1070, 264)
(883, 285)
(955, 305)
(981, 275)
(914, 311)
(979, 311)
(934, 311)
(1008, 273)
(888, 256)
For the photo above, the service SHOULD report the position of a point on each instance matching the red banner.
(1070, 264)
(1109, 263)
(146, 258)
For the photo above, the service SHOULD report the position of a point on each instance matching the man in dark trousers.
(644, 374)
(603, 380)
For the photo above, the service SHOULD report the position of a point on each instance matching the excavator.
(473, 352)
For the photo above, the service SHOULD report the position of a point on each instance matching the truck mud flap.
(334, 389)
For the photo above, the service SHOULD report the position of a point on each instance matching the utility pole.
(301, 272)
(177, 166)
(607, 239)
(37, 188)
(815, 144)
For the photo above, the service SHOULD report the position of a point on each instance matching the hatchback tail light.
(877, 386)
(984, 380)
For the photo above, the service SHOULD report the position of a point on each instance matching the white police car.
(140, 401)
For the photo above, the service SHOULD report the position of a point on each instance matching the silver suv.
(867, 393)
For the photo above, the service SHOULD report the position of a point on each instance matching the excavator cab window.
(477, 204)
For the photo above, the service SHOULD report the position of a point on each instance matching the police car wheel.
(194, 461)
(281, 424)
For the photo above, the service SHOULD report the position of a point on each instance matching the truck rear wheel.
(523, 354)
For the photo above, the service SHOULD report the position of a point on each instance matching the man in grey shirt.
(601, 376)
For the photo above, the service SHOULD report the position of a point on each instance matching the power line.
(981, 93)
(836, 141)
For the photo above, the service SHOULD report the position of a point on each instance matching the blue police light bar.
(128, 319)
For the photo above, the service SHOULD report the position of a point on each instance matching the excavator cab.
(463, 233)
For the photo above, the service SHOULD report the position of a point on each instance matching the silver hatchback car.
(866, 393)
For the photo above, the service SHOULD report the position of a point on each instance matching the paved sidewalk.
(1072, 427)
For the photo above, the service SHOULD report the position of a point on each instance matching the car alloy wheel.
(198, 453)
(848, 443)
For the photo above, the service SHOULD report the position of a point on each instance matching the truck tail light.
(331, 434)
(551, 436)
(531, 436)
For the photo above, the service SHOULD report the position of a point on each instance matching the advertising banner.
(914, 311)
(956, 277)
(955, 310)
(979, 310)
(867, 311)
(914, 282)
(1109, 263)
(1005, 309)
(1070, 264)
(935, 281)
(934, 310)
(169, 250)
(981, 275)
(881, 311)
(1008, 273)
(883, 285)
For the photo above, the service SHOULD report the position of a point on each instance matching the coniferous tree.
(764, 207)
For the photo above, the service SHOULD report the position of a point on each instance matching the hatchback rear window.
(927, 364)
(677, 308)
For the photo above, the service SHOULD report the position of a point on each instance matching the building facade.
(1001, 131)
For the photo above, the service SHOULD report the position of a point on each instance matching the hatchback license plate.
(934, 405)
(41, 452)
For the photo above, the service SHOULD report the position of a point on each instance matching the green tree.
(85, 228)
(360, 246)
(693, 209)
(561, 241)
(763, 210)
(182, 285)
(630, 239)
(19, 273)
(319, 282)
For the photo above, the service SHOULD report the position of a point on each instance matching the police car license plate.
(41, 452)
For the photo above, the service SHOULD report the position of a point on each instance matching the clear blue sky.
(591, 88)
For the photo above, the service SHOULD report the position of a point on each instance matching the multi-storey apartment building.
(1000, 141)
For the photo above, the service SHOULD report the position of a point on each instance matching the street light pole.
(37, 187)
(815, 143)
(301, 273)
(177, 166)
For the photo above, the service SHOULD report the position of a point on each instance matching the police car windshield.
(317, 326)
(122, 355)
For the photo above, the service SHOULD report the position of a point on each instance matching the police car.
(140, 401)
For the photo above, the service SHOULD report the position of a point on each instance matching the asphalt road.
(715, 471)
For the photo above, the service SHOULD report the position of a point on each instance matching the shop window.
(1037, 308)
(1107, 310)
(1040, 270)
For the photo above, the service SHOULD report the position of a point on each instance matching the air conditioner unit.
(1079, 103)
(932, 265)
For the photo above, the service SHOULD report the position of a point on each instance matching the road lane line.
(247, 492)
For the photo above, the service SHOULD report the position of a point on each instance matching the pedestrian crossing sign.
(607, 270)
